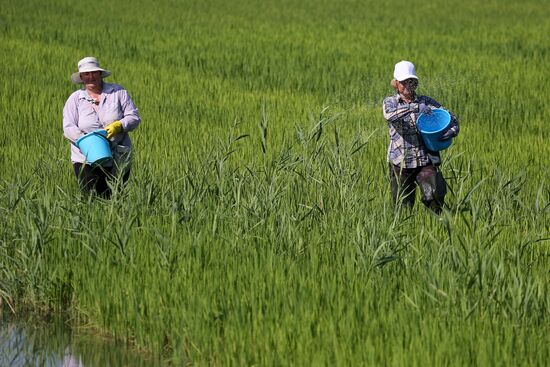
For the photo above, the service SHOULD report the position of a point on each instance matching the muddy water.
(52, 344)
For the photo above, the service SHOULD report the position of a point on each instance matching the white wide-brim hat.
(404, 70)
(88, 64)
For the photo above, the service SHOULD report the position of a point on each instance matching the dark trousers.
(428, 178)
(96, 179)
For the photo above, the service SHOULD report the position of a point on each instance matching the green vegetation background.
(257, 228)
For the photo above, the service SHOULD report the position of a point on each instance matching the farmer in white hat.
(410, 162)
(99, 105)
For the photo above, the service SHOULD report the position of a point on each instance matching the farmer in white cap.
(99, 105)
(410, 162)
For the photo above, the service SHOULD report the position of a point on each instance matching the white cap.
(88, 64)
(404, 70)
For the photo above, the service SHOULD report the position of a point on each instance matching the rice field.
(257, 227)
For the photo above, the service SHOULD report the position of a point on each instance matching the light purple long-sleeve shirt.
(80, 117)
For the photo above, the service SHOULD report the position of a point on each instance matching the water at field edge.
(53, 344)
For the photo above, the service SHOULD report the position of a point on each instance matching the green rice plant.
(257, 227)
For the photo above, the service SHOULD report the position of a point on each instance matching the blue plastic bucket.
(95, 147)
(432, 126)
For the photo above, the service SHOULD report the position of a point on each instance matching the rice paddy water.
(257, 227)
(51, 342)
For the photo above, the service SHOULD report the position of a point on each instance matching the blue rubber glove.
(448, 134)
(423, 108)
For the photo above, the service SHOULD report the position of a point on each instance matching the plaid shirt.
(406, 147)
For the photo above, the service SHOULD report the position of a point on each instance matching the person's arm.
(393, 112)
(430, 102)
(131, 118)
(71, 131)
(454, 123)
(453, 130)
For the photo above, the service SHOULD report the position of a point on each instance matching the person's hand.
(113, 129)
(448, 134)
(425, 109)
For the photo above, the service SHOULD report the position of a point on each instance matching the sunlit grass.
(257, 227)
